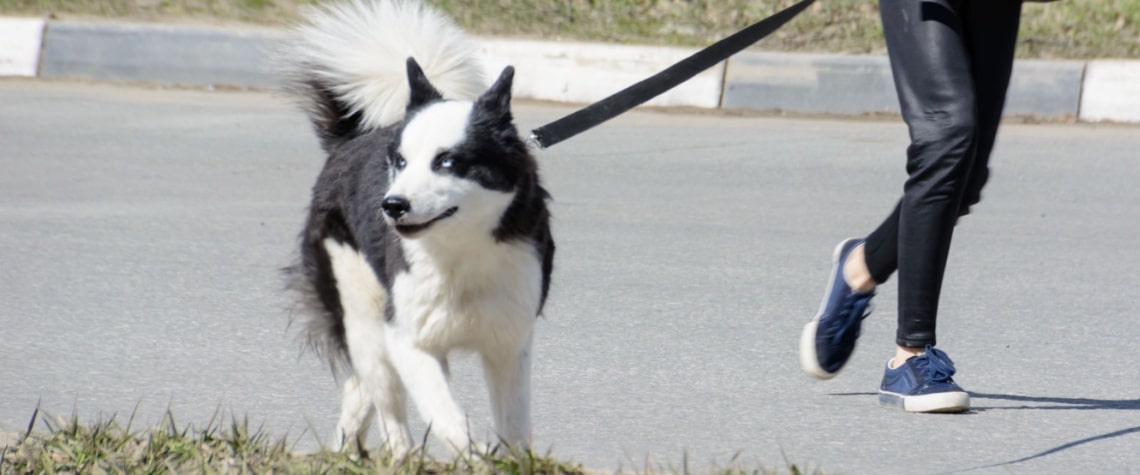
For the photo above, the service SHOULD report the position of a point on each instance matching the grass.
(1064, 29)
(67, 446)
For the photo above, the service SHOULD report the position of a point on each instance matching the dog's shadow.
(1047, 404)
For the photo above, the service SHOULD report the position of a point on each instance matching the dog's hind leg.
(508, 380)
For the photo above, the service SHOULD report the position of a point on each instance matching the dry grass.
(66, 446)
(1064, 29)
(54, 445)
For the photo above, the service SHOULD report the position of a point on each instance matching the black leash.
(653, 86)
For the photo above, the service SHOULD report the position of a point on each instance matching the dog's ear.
(496, 102)
(422, 90)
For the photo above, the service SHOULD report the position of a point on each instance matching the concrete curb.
(1101, 90)
(587, 72)
(812, 83)
(20, 40)
(1111, 91)
(160, 54)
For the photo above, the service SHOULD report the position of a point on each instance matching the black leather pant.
(951, 62)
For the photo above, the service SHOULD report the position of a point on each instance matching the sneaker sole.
(809, 362)
(928, 403)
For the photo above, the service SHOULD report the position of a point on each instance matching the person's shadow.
(1053, 403)
(1056, 403)
(1047, 404)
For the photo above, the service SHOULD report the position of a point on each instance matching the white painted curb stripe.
(587, 72)
(1111, 91)
(20, 41)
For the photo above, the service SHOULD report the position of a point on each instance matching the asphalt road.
(141, 233)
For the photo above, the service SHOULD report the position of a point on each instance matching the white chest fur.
(484, 298)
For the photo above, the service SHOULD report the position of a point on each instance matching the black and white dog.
(428, 230)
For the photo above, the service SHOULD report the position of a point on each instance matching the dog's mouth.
(408, 230)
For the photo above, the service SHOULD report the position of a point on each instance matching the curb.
(159, 54)
(810, 83)
(588, 72)
(20, 40)
(1111, 91)
(571, 72)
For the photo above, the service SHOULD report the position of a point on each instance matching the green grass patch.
(67, 446)
(1063, 29)
(56, 445)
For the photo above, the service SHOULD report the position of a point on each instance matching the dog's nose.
(395, 206)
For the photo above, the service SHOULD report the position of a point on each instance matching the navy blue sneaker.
(923, 384)
(828, 340)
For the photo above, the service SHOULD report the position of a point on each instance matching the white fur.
(362, 45)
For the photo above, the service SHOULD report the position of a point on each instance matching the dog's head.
(454, 165)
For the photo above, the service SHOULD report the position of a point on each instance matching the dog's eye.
(444, 161)
(398, 162)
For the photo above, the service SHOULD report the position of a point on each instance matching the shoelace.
(936, 365)
(856, 307)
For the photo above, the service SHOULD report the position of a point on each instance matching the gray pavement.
(141, 233)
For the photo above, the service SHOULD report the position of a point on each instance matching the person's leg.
(929, 51)
(951, 62)
(880, 252)
(982, 37)
(932, 72)
(991, 39)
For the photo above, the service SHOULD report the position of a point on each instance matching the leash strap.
(653, 86)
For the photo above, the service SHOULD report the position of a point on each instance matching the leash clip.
(534, 141)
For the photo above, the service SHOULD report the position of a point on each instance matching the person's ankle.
(856, 273)
(903, 353)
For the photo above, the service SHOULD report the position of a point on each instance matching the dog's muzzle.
(407, 230)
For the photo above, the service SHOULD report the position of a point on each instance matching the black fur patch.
(331, 119)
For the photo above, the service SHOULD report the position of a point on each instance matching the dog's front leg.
(425, 377)
(355, 414)
(379, 394)
(508, 380)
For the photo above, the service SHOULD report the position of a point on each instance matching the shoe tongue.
(936, 364)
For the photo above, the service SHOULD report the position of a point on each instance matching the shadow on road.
(1052, 403)
(1038, 402)
(1044, 403)
(1069, 445)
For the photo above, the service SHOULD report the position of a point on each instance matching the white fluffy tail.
(348, 63)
